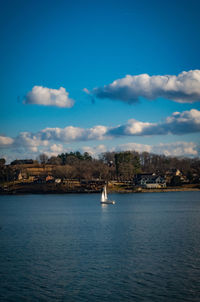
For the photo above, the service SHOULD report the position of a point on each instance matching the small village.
(82, 174)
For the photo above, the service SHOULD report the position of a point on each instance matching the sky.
(98, 76)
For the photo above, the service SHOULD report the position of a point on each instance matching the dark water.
(70, 248)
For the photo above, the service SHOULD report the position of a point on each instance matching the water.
(70, 248)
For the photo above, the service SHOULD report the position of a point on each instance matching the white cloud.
(178, 123)
(71, 133)
(52, 150)
(97, 132)
(132, 127)
(6, 141)
(56, 148)
(49, 97)
(66, 134)
(53, 140)
(183, 122)
(86, 90)
(134, 147)
(94, 151)
(29, 141)
(184, 88)
(180, 148)
(176, 149)
(169, 149)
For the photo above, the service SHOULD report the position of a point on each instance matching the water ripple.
(66, 248)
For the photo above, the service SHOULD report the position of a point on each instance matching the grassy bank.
(125, 188)
(77, 187)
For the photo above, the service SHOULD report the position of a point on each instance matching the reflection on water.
(104, 207)
(72, 248)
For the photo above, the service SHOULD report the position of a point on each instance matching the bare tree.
(43, 158)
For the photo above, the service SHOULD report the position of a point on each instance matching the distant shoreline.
(160, 190)
(59, 189)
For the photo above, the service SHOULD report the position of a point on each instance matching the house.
(150, 181)
(172, 174)
(49, 179)
(20, 175)
(155, 182)
(139, 178)
(58, 180)
(22, 162)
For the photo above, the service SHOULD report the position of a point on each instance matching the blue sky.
(88, 44)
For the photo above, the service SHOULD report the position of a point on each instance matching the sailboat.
(104, 197)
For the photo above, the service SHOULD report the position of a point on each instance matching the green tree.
(127, 164)
(55, 160)
(2, 161)
(176, 181)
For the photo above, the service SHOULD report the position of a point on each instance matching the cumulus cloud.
(97, 132)
(71, 133)
(168, 149)
(53, 139)
(184, 88)
(94, 151)
(180, 148)
(177, 149)
(132, 127)
(190, 149)
(56, 148)
(29, 141)
(66, 134)
(183, 122)
(178, 123)
(134, 147)
(40, 95)
(53, 150)
(6, 141)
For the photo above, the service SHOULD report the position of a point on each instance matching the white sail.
(103, 196)
(105, 193)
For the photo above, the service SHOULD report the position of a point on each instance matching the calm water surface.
(70, 248)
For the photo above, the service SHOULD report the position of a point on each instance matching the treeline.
(109, 166)
(127, 164)
(119, 165)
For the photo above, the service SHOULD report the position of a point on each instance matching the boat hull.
(108, 202)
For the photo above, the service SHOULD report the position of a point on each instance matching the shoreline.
(49, 189)
(158, 190)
